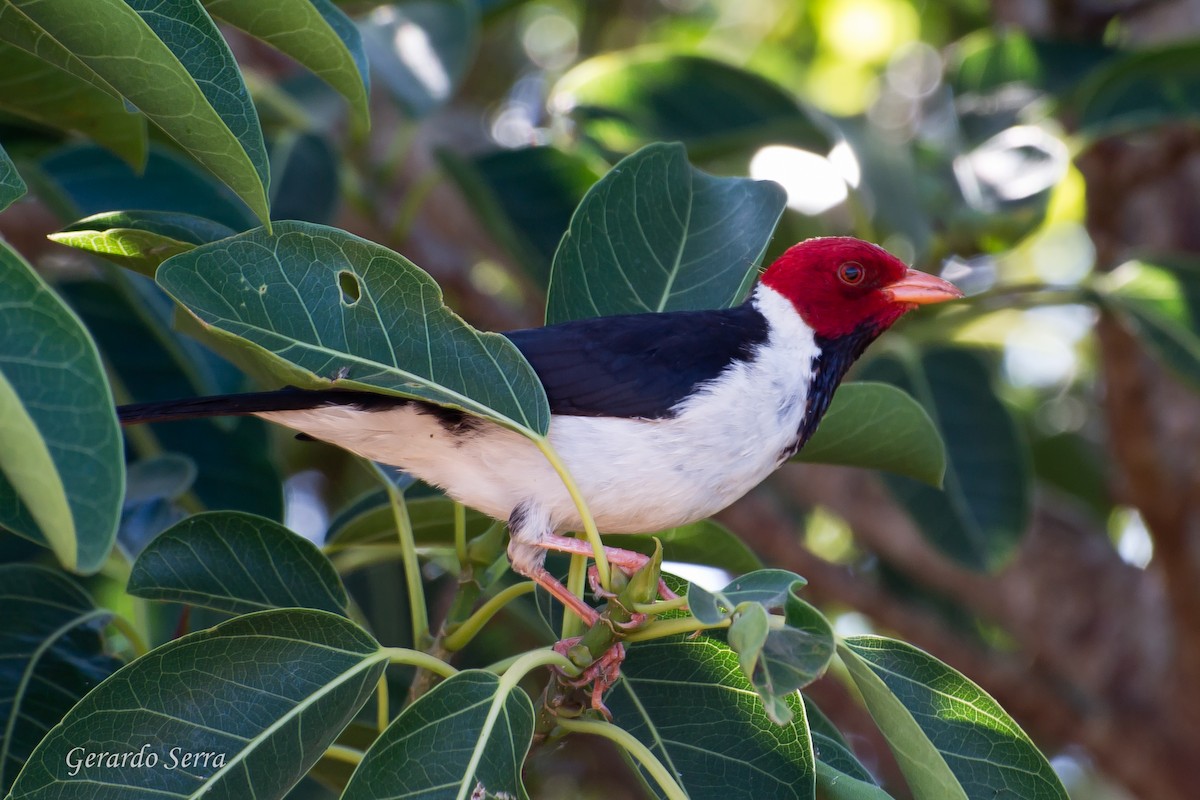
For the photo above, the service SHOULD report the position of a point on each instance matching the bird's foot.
(600, 674)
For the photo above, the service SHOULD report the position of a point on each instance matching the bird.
(661, 418)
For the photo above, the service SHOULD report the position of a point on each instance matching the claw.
(601, 673)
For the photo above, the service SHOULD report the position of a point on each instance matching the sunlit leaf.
(52, 652)
(283, 299)
(878, 426)
(173, 65)
(238, 563)
(468, 735)
(950, 738)
(140, 240)
(314, 32)
(264, 695)
(62, 472)
(656, 234)
(984, 508)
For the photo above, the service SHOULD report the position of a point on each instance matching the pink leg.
(627, 560)
(543, 578)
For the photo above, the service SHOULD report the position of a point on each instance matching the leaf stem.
(131, 633)
(460, 534)
(623, 738)
(671, 627)
(464, 633)
(381, 703)
(415, 658)
(412, 565)
(661, 606)
(347, 755)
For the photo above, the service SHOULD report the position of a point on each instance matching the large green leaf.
(1159, 299)
(238, 563)
(687, 700)
(627, 99)
(878, 426)
(11, 185)
(93, 182)
(140, 240)
(469, 737)
(984, 509)
(324, 308)
(263, 695)
(840, 775)
(40, 91)
(524, 198)
(420, 49)
(51, 654)
(1140, 90)
(314, 32)
(655, 234)
(950, 738)
(62, 473)
(171, 62)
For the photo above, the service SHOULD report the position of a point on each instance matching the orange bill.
(920, 288)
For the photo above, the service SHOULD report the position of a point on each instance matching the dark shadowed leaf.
(314, 32)
(51, 654)
(239, 563)
(839, 772)
(304, 184)
(62, 472)
(131, 320)
(169, 60)
(370, 521)
(11, 185)
(95, 181)
(282, 298)
(469, 737)
(655, 234)
(950, 738)
(878, 426)
(1139, 90)
(1159, 300)
(264, 694)
(140, 240)
(705, 542)
(688, 701)
(627, 99)
(421, 49)
(984, 508)
(524, 198)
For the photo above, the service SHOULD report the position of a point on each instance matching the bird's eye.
(851, 272)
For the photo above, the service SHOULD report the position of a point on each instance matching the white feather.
(637, 475)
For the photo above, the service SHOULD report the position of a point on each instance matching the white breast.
(637, 475)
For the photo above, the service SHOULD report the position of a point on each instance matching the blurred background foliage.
(1041, 154)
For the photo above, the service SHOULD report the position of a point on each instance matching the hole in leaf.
(351, 290)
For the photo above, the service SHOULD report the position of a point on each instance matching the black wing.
(639, 365)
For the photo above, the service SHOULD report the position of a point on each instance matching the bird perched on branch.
(661, 418)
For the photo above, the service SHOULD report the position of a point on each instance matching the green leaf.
(706, 542)
(1159, 300)
(314, 32)
(40, 91)
(468, 735)
(131, 320)
(655, 234)
(524, 198)
(52, 652)
(839, 773)
(95, 182)
(140, 240)
(305, 179)
(11, 185)
(283, 297)
(263, 694)
(627, 99)
(767, 587)
(878, 426)
(984, 510)
(238, 563)
(950, 738)
(421, 49)
(369, 520)
(186, 82)
(1140, 90)
(62, 472)
(687, 700)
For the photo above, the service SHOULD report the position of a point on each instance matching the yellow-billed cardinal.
(661, 418)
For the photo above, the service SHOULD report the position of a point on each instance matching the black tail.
(238, 405)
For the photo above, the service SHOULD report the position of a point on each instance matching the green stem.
(589, 524)
(671, 627)
(415, 658)
(412, 566)
(460, 534)
(661, 606)
(381, 703)
(576, 582)
(625, 739)
(464, 633)
(131, 633)
(347, 755)
(502, 666)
